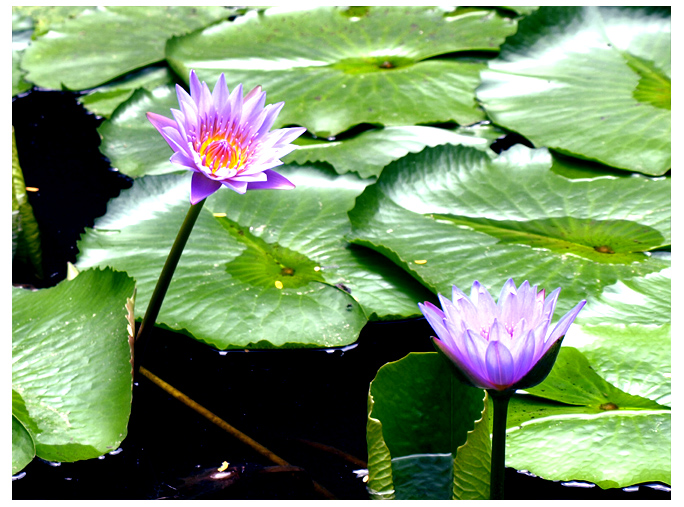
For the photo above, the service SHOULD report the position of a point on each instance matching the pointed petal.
(272, 113)
(500, 365)
(435, 318)
(523, 352)
(562, 327)
(485, 303)
(195, 87)
(275, 180)
(220, 94)
(202, 187)
(238, 186)
(461, 362)
(160, 122)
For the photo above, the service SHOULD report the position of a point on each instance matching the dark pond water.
(306, 406)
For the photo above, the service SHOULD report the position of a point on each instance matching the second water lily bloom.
(499, 346)
(224, 138)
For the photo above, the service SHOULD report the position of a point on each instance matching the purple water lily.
(225, 139)
(499, 346)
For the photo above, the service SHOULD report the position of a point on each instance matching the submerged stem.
(165, 279)
(498, 464)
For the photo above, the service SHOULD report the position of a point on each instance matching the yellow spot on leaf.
(223, 466)
(219, 215)
(422, 261)
(279, 284)
(31, 189)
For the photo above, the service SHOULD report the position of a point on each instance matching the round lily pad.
(452, 214)
(337, 67)
(589, 81)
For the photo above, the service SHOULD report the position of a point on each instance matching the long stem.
(498, 466)
(164, 280)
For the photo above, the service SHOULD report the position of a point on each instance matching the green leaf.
(370, 151)
(103, 100)
(472, 465)
(561, 442)
(224, 290)
(25, 233)
(23, 449)
(44, 17)
(336, 67)
(71, 367)
(450, 215)
(412, 408)
(103, 43)
(573, 381)
(130, 141)
(590, 81)
(644, 300)
(636, 358)
(614, 449)
(418, 416)
(22, 30)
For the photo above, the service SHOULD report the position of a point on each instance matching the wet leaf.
(590, 81)
(336, 68)
(450, 215)
(103, 43)
(71, 370)
(225, 291)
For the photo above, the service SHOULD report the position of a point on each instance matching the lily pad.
(412, 408)
(644, 300)
(635, 357)
(26, 245)
(338, 67)
(71, 368)
(103, 43)
(633, 446)
(370, 151)
(22, 31)
(414, 428)
(590, 81)
(260, 270)
(451, 214)
(131, 142)
(103, 100)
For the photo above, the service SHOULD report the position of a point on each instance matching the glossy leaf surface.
(71, 367)
(590, 81)
(338, 67)
(450, 215)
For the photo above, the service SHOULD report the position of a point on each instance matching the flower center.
(219, 151)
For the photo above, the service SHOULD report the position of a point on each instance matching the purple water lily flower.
(225, 139)
(499, 346)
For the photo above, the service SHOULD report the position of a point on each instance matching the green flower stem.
(164, 280)
(498, 465)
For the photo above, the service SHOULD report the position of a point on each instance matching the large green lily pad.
(71, 368)
(369, 152)
(451, 214)
(131, 142)
(556, 434)
(103, 43)
(337, 67)
(135, 148)
(590, 81)
(103, 100)
(634, 357)
(419, 416)
(224, 291)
